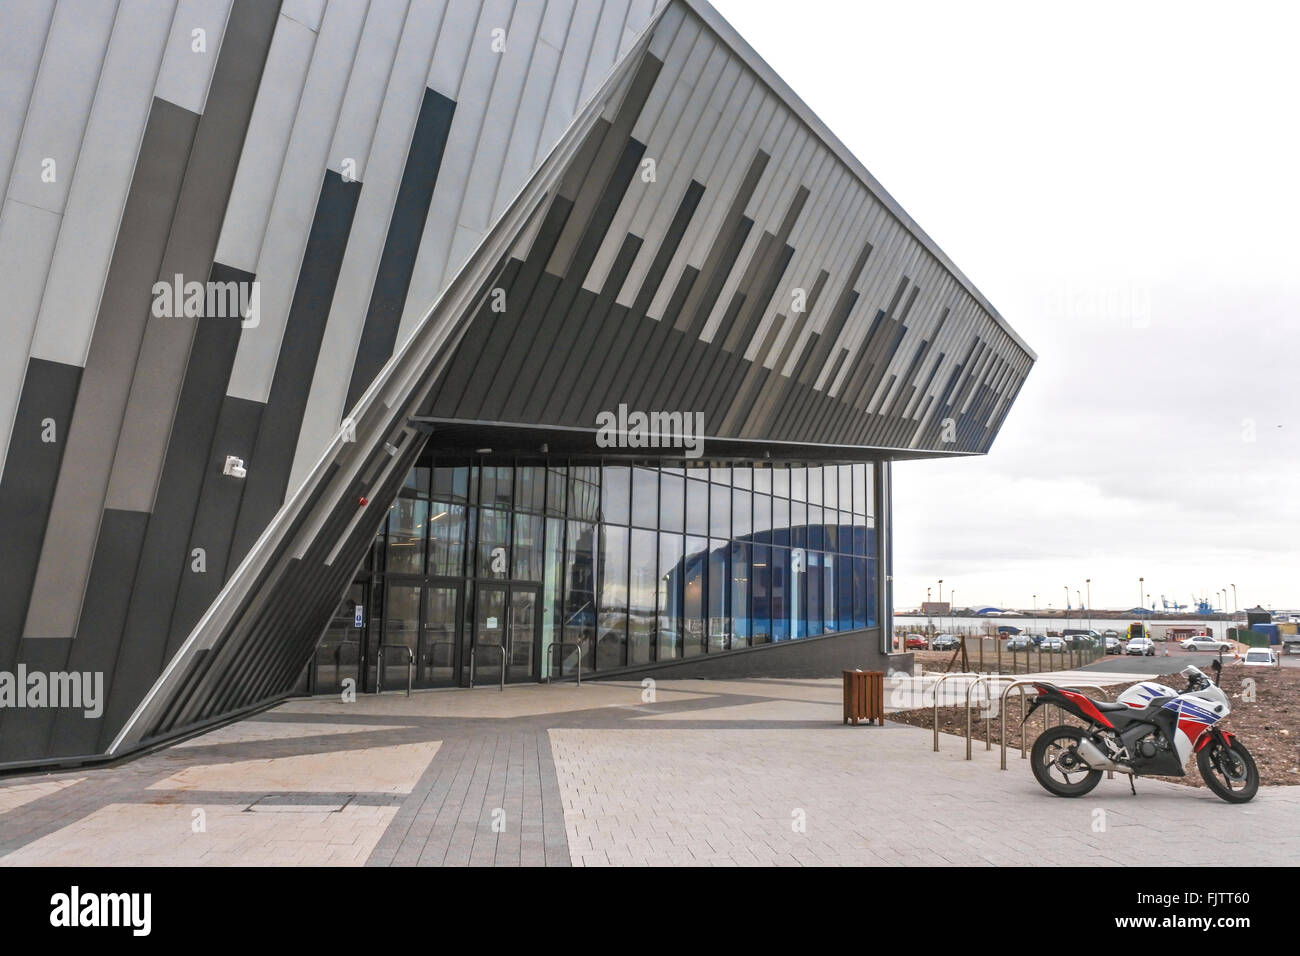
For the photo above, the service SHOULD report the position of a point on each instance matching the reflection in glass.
(495, 486)
(672, 494)
(527, 554)
(580, 588)
(780, 481)
(557, 483)
(780, 594)
(740, 573)
(584, 492)
(645, 498)
(761, 580)
(611, 645)
(669, 638)
(781, 522)
(641, 596)
(830, 621)
(451, 484)
(407, 524)
(697, 507)
(552, 593)
(844, 593)
(530, 488)
(741, 520)
(694, 565)
(719, 595)
(616, 494)
(720, 511)
(798, 524)
(447, 539)
(861, 492)
(493, 543)
(798, 483)
(813, 588)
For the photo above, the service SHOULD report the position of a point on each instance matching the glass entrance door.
(436, 663)
(521, 647)
(505, 629)
(423, 616)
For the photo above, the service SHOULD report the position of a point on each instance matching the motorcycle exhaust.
(1091, 754)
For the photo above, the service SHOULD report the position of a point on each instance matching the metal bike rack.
(473, 648)
(410, 667)
(936, 701)
(988, 743)
(1002, 716)
(563, 644)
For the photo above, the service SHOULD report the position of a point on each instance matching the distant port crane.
(1172, 605)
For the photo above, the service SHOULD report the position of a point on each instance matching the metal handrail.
(410, 667)
(561, 644)
(936, 701)
(338, 656)
(473, 648)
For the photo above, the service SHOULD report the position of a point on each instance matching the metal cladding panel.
(665, 224)
(782, 214)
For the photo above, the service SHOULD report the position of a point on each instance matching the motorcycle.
(1150, 729)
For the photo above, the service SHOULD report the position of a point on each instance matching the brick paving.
(721, 773)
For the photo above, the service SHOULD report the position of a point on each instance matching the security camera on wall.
(234, 467)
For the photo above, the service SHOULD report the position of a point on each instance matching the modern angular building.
(343, 338)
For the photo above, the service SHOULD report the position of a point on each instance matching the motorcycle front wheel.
(1229, 771)
(1057, 765)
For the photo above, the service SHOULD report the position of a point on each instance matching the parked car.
(945, 642)
(1141, 647)
(1113, 645)
(916, 642)
(1205, 644)
(1110, 632)
(1052, 644)
(1020, 642)
(1259, 657)
(1079, 637)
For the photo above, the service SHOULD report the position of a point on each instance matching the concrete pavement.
(679, 772)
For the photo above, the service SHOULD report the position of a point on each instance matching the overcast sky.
(1120, 180)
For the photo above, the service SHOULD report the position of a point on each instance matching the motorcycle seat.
(1106, 706)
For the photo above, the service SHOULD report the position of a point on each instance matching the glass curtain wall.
(645, 563)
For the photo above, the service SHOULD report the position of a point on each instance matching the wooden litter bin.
(864, 696)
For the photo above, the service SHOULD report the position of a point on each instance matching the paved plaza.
(753, 772)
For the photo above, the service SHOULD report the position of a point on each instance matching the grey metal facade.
(650, 198)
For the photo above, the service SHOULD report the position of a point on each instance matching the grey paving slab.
(717, 773)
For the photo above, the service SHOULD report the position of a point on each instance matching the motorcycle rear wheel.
(1053, 760)
(1229, 771)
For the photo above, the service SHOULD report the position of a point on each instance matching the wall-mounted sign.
(491, 623)
(359, 616)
